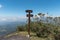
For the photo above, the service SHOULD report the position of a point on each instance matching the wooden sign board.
(30, 15)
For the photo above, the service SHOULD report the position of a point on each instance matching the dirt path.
(16, 37)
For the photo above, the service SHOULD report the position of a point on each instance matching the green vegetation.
(43, 28)
(46, 29)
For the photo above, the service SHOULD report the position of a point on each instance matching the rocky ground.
(15, 37)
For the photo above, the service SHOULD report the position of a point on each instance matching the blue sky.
(15, 8)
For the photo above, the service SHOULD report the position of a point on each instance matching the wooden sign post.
(29, 15)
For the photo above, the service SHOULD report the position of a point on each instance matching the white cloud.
(3, 19)
(12, 18)
(1, 6)
(46, 15)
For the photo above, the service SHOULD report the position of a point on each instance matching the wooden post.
(29, 15)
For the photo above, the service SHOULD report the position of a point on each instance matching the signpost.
(29, 15)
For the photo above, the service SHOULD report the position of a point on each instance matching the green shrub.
(57, 36)
(34, 29)
(43, 32)
(20, 28)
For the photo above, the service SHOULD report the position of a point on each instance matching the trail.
(15, 37)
